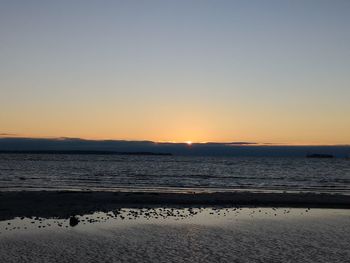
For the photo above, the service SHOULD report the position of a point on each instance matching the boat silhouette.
(319, 155)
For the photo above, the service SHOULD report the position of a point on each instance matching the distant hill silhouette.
(85, 152)
(75, 145)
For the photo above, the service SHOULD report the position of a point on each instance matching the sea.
(83, 172)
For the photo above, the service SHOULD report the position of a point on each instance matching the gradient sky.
(262, 71)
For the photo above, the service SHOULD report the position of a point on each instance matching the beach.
(64, 226)
(65, 208)
(63, 204)
(210, 234)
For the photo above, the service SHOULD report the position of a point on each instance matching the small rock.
(73, 221)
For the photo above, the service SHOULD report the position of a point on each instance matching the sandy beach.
(63, 204)
(182, 235)
(63, 226)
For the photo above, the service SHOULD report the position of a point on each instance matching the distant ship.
(319, 155)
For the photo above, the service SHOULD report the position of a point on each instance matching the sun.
(189, 143)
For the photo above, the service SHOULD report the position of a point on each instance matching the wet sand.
(63, 204)
(173, 227)
(182, 235)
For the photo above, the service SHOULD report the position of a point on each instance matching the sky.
(257, 71)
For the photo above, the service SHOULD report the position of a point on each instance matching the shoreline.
(63, 204)
(181, 235)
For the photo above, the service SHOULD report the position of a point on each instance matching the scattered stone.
(73, 221)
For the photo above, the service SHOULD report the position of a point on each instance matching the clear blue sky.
(265, 71)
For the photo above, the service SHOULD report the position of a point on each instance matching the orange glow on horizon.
(154, 81)
(189, 143)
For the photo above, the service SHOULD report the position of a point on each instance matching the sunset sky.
(260, 71)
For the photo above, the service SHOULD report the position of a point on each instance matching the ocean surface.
(171, 173)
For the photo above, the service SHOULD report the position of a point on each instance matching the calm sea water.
(171, 173)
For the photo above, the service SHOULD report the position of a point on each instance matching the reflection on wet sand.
(178, 234)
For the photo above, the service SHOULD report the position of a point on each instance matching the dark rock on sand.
(73, 221)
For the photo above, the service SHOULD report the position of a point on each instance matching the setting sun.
(146, 124)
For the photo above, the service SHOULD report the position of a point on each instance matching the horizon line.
(189, 143)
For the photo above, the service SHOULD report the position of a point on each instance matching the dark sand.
(62, 204)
